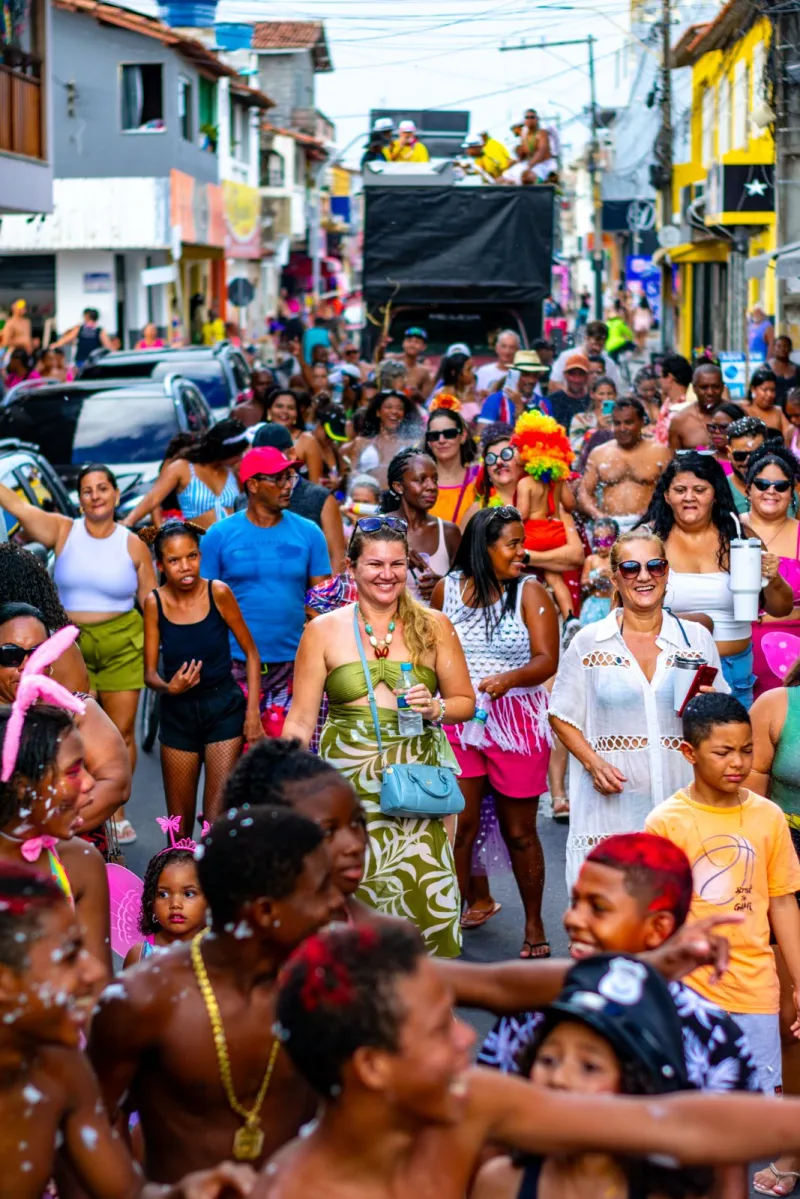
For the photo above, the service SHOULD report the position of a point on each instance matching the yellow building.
(724, 196)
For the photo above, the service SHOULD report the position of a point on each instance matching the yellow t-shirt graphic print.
(741, 858)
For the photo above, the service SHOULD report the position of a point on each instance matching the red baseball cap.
(264, 460)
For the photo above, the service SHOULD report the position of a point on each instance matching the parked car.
(221, 371)
(30, 475)
(124, 423)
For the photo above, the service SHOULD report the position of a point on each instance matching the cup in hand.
(684, 670)
(745, 577)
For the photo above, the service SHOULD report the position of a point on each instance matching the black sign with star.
(744, 188)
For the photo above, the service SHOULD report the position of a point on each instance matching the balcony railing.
(20, 103)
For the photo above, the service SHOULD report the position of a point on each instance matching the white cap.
(474, 139)
(458, 347)
(407, 127)
(383, 125)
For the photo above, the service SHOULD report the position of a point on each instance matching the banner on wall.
(242, 205)
(198, 209)
(642, 277)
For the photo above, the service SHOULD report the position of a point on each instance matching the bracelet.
(442, 710)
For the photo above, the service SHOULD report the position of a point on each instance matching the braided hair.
(390, 499)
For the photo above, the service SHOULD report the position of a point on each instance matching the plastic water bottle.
(475, 730)
(409, 722)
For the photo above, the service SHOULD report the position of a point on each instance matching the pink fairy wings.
(33, 686)
(170, 825)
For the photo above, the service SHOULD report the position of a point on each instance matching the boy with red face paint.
(633, 892)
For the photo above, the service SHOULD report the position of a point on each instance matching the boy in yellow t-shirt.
(743, 862)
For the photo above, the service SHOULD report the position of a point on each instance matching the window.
(707, 149)
(185, 113)
(273, 169)
(194, 410)
(724, 115)
(741, 113)
(207, 110)
(142, 98)
(759, 67)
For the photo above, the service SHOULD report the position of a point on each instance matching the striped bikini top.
(198, 497)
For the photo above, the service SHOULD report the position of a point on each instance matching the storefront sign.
(97, 281)
(735, 367)
(242, 205)
(642, 278)
(199, 210)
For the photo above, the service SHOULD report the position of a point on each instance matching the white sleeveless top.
(438, 561)
(710, 593)
(95, 574)
(517, 720)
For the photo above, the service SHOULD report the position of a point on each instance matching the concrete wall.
(92, 143)
(288, 79)
(71, 295)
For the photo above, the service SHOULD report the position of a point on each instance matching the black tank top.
(207, 639)
(529, 1187)
(308, 500)
(88, 340)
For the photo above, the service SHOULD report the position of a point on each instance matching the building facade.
(26, 98)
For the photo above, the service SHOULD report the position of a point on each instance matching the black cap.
(273, 434)
(334, 421)
(629, 1004)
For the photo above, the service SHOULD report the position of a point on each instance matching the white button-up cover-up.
(632, 724)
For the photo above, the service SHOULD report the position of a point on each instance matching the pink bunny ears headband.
(35, 685)
(170, 825)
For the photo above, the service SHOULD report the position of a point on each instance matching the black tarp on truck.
(459, 248)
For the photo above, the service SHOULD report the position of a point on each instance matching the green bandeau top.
(785, 775)
(346, 683)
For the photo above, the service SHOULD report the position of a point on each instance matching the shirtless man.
(621, 475)
(368, 1021)
(48, 1093)
(688, 429)
(418, 377)
(16, 332)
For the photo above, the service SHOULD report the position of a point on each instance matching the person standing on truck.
(486, 161)
(407, 148)
(380, 141)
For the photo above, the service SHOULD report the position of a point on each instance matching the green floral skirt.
(410, 870)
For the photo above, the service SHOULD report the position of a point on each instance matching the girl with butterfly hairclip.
(173, 904)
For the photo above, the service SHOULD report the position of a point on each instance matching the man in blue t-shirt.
(510, 402)
(269, 557)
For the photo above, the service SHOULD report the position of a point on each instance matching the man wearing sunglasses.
(688, 429)
(621, 475)
(269, 557)
(744, 436)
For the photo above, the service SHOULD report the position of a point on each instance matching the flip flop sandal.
(535, 957)
(475, 917)
(561, 817)
(779, 1174)
(124, 832)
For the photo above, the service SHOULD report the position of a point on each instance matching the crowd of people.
(383, 610)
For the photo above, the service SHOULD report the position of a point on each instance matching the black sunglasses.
(657, 567)
(371, 524)
(14, 655)
(740, 455)
(505, 455)
(780, 485)
(506, 511)
(448, 434)
(715, 428)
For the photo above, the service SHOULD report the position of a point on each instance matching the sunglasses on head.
(371, 524)
(740, 455)
(656, 567)
(505, 455)
(437, 434)
(779, 485)
(14, 655)
(507, 511)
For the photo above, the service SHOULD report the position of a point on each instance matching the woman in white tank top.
(508, 628)
(101, 571)
(693, 513)
(432, 542)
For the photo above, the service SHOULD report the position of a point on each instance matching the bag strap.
(460, 499)
(368, 677)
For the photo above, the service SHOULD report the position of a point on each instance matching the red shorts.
(519, 776)
(544, 535)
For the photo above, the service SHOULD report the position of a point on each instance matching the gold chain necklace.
(249, 1140)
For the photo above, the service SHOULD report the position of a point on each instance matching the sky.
(423, 54)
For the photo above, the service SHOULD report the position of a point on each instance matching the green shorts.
(113, 651)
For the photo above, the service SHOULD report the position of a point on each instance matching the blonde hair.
(421, 629)
(617, 555)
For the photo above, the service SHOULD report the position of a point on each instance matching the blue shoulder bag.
(410, 789)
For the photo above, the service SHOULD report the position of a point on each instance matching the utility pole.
(665, 163)
(594, 163)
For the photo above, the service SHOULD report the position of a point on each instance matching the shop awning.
(786, 259)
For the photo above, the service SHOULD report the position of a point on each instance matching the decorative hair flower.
(543, 447)
(445, 401)
(35, 685)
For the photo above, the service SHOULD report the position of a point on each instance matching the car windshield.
(109, 427)
(207, 375)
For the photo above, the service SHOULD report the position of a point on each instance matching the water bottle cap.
(406, 666)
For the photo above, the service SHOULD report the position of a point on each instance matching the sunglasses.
(505, 455)
(371, 524)
(506, 511)
(604, 543)
(277, 480)
(779, 485)
(437, 434)
(14, 655)
(656, 567)
(714, 428)
(740, 455)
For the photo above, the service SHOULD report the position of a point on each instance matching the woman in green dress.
(410, 870)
